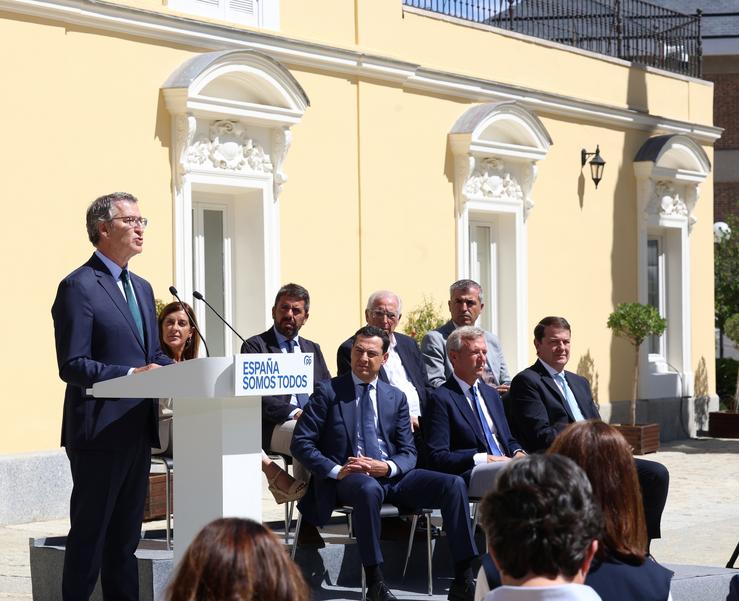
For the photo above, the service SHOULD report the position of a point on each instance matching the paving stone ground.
(700, 525)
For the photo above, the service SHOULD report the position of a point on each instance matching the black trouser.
(106, 510)
(655, 483)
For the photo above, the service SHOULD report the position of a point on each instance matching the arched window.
(496, 148)
(669, 170)
(231, 117)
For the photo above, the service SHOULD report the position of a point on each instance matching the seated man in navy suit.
(105, 327)
(544, 399)
(404, 368)
(467, 432)
(355, 438)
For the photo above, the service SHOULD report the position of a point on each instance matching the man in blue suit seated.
(404, 367)
(545, 398)
(467, 432)
(355, 438)
(105, 327)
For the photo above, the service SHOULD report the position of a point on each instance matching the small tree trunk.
(635, 389)
(736, 394)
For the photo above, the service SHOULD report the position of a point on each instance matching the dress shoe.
(462, 590)
(309, 535)
(380, 592)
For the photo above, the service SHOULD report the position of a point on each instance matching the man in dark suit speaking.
(355, 438)
(404, 368)
(105, 327)
(544, 399)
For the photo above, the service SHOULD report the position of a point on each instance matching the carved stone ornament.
(228, 147)
(668, 201)
(490, 179)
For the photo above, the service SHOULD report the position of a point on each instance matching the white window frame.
(661, 306)
(256, 13)
(489, 281)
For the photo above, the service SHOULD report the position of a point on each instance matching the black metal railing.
(633, 30)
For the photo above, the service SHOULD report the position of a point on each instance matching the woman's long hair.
(606, 457)
(233, 559)
(191, 348)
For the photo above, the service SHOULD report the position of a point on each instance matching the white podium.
(217, 440)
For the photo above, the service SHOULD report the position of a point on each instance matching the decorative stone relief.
(227, 146)
(491, 180)
(281, 139)
(667, 200)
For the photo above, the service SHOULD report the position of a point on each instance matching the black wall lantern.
(596, 164)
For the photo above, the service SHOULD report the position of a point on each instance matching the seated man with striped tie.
(545, 398)
(355, 438)
(468, 433)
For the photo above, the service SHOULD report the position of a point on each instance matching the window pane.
(653, 287)
(214, 279)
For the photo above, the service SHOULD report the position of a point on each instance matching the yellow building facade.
(349, 147)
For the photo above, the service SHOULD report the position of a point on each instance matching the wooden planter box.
(155, 507)
(643, 438)
(723, 424)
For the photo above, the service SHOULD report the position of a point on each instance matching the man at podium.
(105, 327)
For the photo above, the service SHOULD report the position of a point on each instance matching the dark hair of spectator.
(371, 332)
(606, 457)
(237, 560)
(541, 518)
(294, 291)
(191, 348)
(551, 321)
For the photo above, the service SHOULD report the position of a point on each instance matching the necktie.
(367, 423)
(132, 304)
(493, 447)
(570, 398)
(302, 398)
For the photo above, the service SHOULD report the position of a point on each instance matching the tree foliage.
(635, 322)
(425, 317)
(726, 274)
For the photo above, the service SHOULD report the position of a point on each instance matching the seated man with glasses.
(404, 368)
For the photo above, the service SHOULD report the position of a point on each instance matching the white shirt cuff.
(480, 458)
(334, 473)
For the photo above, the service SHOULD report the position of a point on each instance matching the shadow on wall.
(586, 369)
(702, 396)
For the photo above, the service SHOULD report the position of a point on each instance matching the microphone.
(191, 317)
(200, 297)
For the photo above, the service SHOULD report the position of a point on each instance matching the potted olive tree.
(725, 424)
(635, 322)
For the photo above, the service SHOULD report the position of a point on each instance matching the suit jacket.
(97, 339)
(325, 436)
(410, 357)
(455, 435)
(438, 366)
(276, 409)
(539, 412)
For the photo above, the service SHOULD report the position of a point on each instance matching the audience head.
(541, 520)
(606, 457)
(115, 227)
(369, 352)
(467, 352)
(384, 310)
(239, 560)
(465, 302)
(290, 311)
(552, 341)
(177, 335)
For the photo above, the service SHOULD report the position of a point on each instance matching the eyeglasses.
(131, 221)
(379, 314)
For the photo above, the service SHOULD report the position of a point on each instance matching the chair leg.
(168, 505)
(295, 536)
(734, 555)
(364, 585)
(288, 518)
(428, 554)
(414, 522)
(474, 517)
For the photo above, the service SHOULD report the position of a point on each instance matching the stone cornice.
(212, 36)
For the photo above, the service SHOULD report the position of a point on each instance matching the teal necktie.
(570, 398)
(132, 304)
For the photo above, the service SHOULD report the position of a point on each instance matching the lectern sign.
(273, 373)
